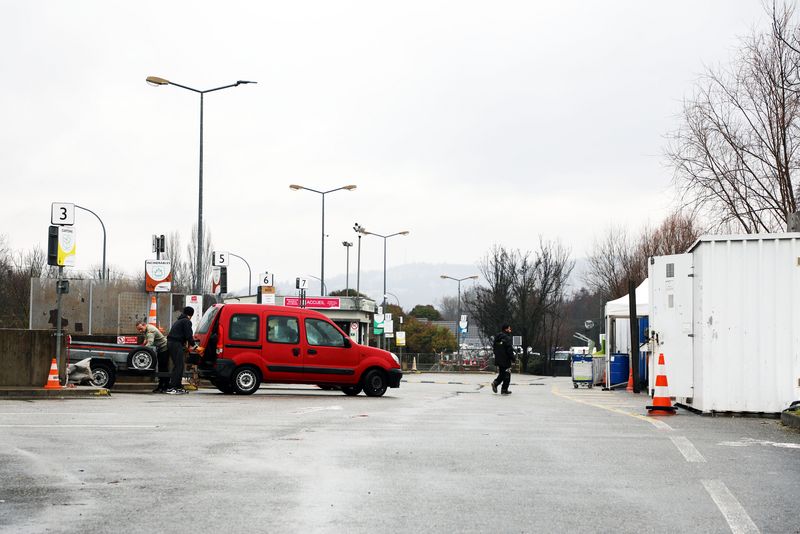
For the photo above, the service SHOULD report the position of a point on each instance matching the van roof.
(257, 308)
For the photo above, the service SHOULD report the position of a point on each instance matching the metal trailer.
(582, 370)
(726, 317)
(111, 359)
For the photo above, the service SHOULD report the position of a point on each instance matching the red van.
(247, 344)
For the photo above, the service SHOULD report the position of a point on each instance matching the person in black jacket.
(179, 338)
(503, 358)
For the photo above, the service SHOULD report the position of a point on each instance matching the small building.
(726, 316)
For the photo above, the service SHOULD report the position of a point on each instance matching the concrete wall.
(25, 357)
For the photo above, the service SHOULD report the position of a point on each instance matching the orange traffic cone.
(52, 379)
(152, 316)
(661, 401)
(630, 376)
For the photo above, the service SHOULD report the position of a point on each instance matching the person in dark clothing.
(179, 338)
(503, 358)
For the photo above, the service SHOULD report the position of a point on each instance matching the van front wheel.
(375, 383)
(245, 381)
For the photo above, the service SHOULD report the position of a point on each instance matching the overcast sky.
(467, 123)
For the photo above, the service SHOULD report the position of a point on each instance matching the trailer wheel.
(141, 360)
(103, 375)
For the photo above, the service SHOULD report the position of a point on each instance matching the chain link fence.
(97, 307)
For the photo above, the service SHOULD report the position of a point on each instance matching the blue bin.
(620, 368)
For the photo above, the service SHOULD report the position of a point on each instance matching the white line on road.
(688, 450)
(78, 426)
(731, 508)
(313, 409)
(57, 413)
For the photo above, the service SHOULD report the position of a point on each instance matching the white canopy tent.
(618, 333)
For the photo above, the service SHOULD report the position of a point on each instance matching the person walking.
(503, 358)
(154, 338)
(179, 339)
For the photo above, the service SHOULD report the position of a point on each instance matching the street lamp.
(322, 284)
(363, 231)
(295, 187)
(156, 81)
(458, 308)
(359, 230)
(249, 273)
(347, 245)
(103, 274)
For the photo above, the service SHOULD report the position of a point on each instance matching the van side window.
(244, 327)
(282, 329)
(322, 333)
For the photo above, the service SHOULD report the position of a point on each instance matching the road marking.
(746, 442)
(78, 426)
(57, 413)
(313, 409)
(731, 508)
(661, 425)
(688, 450)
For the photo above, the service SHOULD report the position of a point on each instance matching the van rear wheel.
(375, 383)
(223, 385)
(245, 381)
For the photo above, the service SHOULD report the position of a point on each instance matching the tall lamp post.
(295, 187)
(155, 80)
(103, 274)
(385, 238)
(359, 230)
(249, 272)
(347, 245)
(458, 308)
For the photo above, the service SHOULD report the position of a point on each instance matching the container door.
(671, 321)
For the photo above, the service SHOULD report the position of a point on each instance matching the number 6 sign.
(266, 279)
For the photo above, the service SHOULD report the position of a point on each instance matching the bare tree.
(191, 251)
(181, 270)
(737, 150)
(609, 264)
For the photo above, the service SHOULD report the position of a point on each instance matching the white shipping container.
(726, 316)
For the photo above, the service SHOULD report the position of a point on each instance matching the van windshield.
(207, 320)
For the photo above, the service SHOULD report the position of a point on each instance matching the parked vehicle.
(111, 359)
(250, 344)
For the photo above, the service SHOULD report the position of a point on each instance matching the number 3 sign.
(62, 213)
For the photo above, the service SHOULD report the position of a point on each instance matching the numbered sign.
(220, 259)
(266, 279)
(301, 283)
(62, 213)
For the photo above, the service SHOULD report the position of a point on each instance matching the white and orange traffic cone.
(152, 317)
(52, 379)
(662, 405)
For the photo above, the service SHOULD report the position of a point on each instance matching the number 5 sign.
(220, 259)
(62, 213)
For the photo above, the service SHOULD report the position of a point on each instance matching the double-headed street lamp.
(347, 245)
(458, 307)
(155, 80)
(295, 187)
(363, 231)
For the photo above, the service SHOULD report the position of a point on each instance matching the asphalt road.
(440, 454)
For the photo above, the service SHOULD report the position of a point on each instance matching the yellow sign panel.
(66, 246)
(400, 339)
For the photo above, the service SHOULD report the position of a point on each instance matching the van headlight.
(395, 358)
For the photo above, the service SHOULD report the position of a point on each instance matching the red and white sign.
(127, 340)
(158, 276)
(317, 303)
